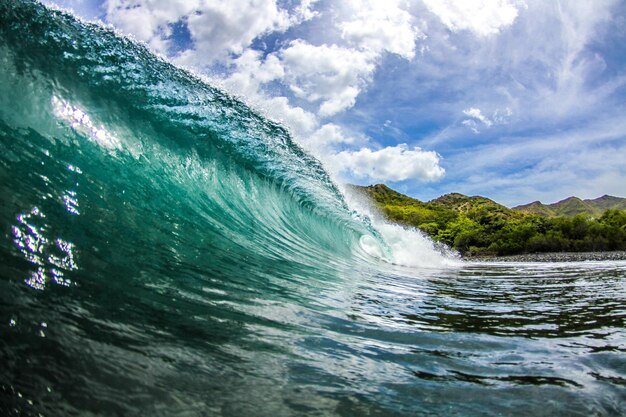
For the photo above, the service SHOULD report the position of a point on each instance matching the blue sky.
(516, 100)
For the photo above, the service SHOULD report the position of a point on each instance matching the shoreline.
(551, 257)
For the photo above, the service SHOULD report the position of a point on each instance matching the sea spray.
(407, 246)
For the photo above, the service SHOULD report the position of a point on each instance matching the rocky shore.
(553, 257)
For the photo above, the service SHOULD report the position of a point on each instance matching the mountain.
(536, 207)
(572, 206)
(464, 204)
(608, 202)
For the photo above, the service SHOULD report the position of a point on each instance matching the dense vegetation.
(478, 225)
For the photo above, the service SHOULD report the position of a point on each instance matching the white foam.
(372, 247)
(409, 246)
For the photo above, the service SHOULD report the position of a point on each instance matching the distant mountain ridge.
(572, 206)
(463, 203)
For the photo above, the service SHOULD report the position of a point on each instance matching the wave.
(159, 146)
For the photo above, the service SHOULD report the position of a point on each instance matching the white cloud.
(482, 17)
(572, 65)
(219, 28)
(148, 20)
(324, 139)
(301, 122)
(393, 163)
(304, 11)
(543, 78)
(252, 71)
(380, 26)
(499, 117)
(475, 113)
(333, 76)
(330, 74)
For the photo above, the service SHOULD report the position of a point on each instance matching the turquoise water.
(165, 250)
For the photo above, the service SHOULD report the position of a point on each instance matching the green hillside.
(536, 207)
(478, 225)
(572, 206)
(607, 202)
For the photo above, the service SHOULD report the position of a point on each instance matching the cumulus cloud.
(380, 26)
(305, 11)
(330, 74)
(323, 141)
(230, 26)
(148, 21)
(393, 163)
(482, 17)
(217, 28)
(252, 71)
(301, 122)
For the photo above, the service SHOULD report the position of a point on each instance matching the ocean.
(166, 250)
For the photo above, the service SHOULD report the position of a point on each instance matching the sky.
(515, 100)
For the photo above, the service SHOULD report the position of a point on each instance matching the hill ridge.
(573, 205)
